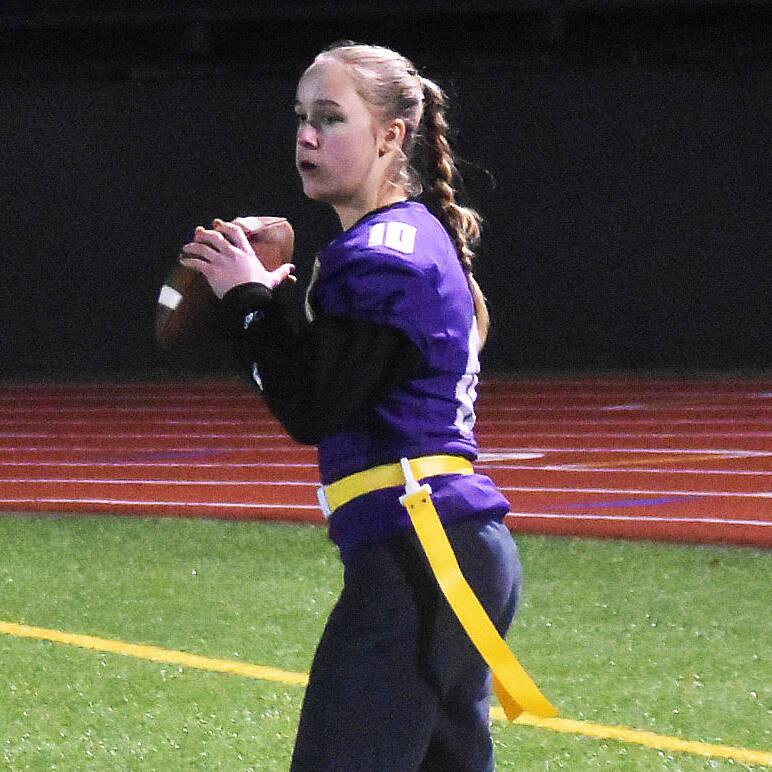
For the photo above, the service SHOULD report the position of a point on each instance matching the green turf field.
(670, 639)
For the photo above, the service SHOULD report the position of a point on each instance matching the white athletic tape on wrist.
(169, 297)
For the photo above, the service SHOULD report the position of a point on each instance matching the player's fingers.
(232, 233)
(198, 253)
(193, 263)
(211, 238)
(283, 273)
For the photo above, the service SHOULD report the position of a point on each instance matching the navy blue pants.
(396, 685)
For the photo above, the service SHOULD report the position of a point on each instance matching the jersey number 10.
(393, 235)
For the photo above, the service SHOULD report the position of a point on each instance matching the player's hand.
(225, 257)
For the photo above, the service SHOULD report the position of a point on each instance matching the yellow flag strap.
(514, 687)
(376, 478)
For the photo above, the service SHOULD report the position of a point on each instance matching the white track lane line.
(594, 389)
(485, 435)
(603, 422)
(619, 470)
(152, 449)
(630, 450)
(307, 484)
(156, 421)
(639, 519)
(144, 503)
(488, 466)
(138, 436)
(735, 406)
(642, 492)
(489, 436)
(511, 516)
(164, 464)
(124, 481)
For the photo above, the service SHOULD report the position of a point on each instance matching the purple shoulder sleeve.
(404, 274)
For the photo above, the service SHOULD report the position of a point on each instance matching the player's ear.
(393, 136)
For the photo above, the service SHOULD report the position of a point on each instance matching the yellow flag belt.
(514, 687)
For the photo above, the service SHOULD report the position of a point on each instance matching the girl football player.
(386, 368)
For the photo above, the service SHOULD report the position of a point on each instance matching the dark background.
(619, 152)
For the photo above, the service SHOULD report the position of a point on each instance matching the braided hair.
(440, 173)
(426, 167)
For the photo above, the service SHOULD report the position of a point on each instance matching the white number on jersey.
(466, 388)
(394, 235)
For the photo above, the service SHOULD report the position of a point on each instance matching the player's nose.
(307, 136)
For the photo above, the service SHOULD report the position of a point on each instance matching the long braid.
(439, 172)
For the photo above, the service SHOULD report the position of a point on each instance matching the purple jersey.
(399, 267)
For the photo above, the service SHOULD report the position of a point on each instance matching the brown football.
(186, 310)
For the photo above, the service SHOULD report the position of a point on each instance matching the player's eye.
(318, 120)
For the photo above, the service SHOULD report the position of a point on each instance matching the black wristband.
(244, 304)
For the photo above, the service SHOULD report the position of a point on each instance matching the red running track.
(623, 458)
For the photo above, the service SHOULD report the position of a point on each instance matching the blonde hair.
(390, 83)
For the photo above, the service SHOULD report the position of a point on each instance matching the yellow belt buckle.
(324, 504)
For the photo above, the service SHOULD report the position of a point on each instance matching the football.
(186, 313)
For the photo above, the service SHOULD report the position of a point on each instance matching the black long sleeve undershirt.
(323, 378)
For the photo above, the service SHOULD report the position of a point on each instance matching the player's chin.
(324, 194)
(312, 189)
